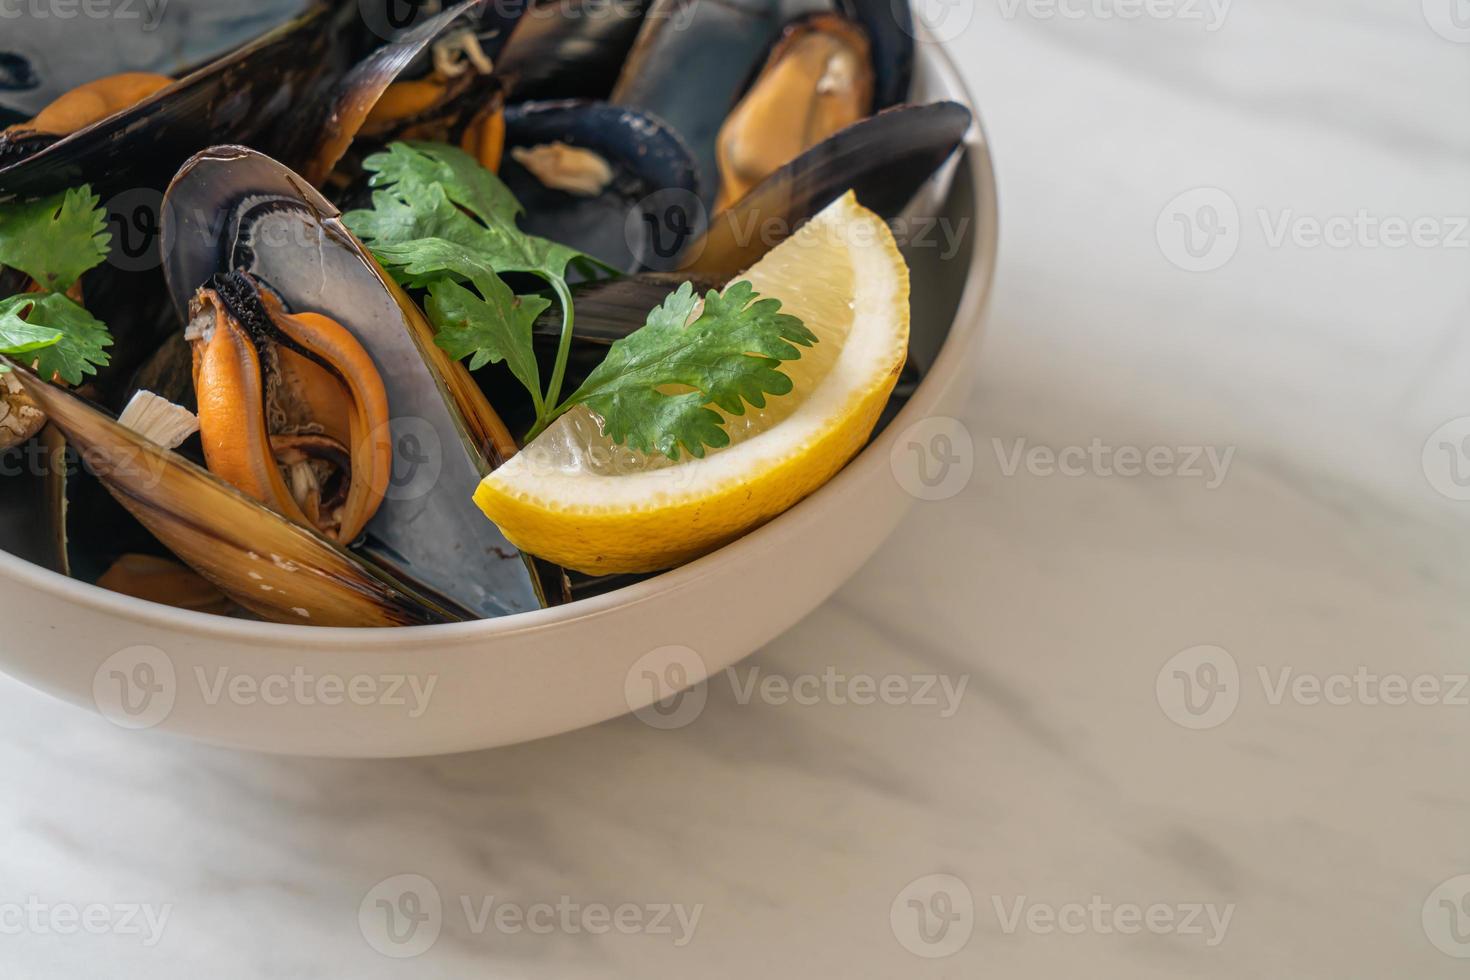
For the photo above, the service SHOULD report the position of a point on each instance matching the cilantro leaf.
(488, 330)
(438, 216)
(728, 357)
(18, 336)
(56, 239)
(467, 183)
(77, 338)
(429, 197)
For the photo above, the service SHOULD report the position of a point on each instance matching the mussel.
(276, 569)
(135, 130)
(243, 222)
(292, 410)
(56, 513)
(886, 159)
(88, 103)
(568, 49)
(33, 496)
(48, 52)
(432, 82)
(817, 80)
(126, 133)
(588, 174)
(775, 53)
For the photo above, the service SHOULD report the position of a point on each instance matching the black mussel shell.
(354, 96)
(729, 42)
(45, 53)
(885, 159)
(648, 161)
(569, 49)
(33, 500)
(610, 309)
(259, 94)
(890, 28)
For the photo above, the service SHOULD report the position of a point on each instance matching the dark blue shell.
(646, 156)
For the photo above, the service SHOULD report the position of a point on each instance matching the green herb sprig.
(54, 241)
(442, 223)
(439, 219)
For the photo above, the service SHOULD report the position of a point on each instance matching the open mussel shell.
(264, 562)
(886, 159)
(256, 94)
(568, 49)
(43, 57)
(817, 80)
(77, 528)
(890, 28)
(729, 42)
(691, 60)
(640, 159)
(232, 210)
(355, 96)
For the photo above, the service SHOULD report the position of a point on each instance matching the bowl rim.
(948, 365)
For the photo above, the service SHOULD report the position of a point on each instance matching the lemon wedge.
(574, 497)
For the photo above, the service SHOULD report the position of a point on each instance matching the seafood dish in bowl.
(494, 320)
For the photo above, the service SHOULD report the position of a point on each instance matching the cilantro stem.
(559, 370)
(539, 404)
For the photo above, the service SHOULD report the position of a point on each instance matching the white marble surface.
(1321, 829)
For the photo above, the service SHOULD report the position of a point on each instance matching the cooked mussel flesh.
(292, 410)
(433, 82)
(81, 107)
(817, 81)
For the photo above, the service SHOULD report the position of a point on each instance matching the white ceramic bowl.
(358, 692)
